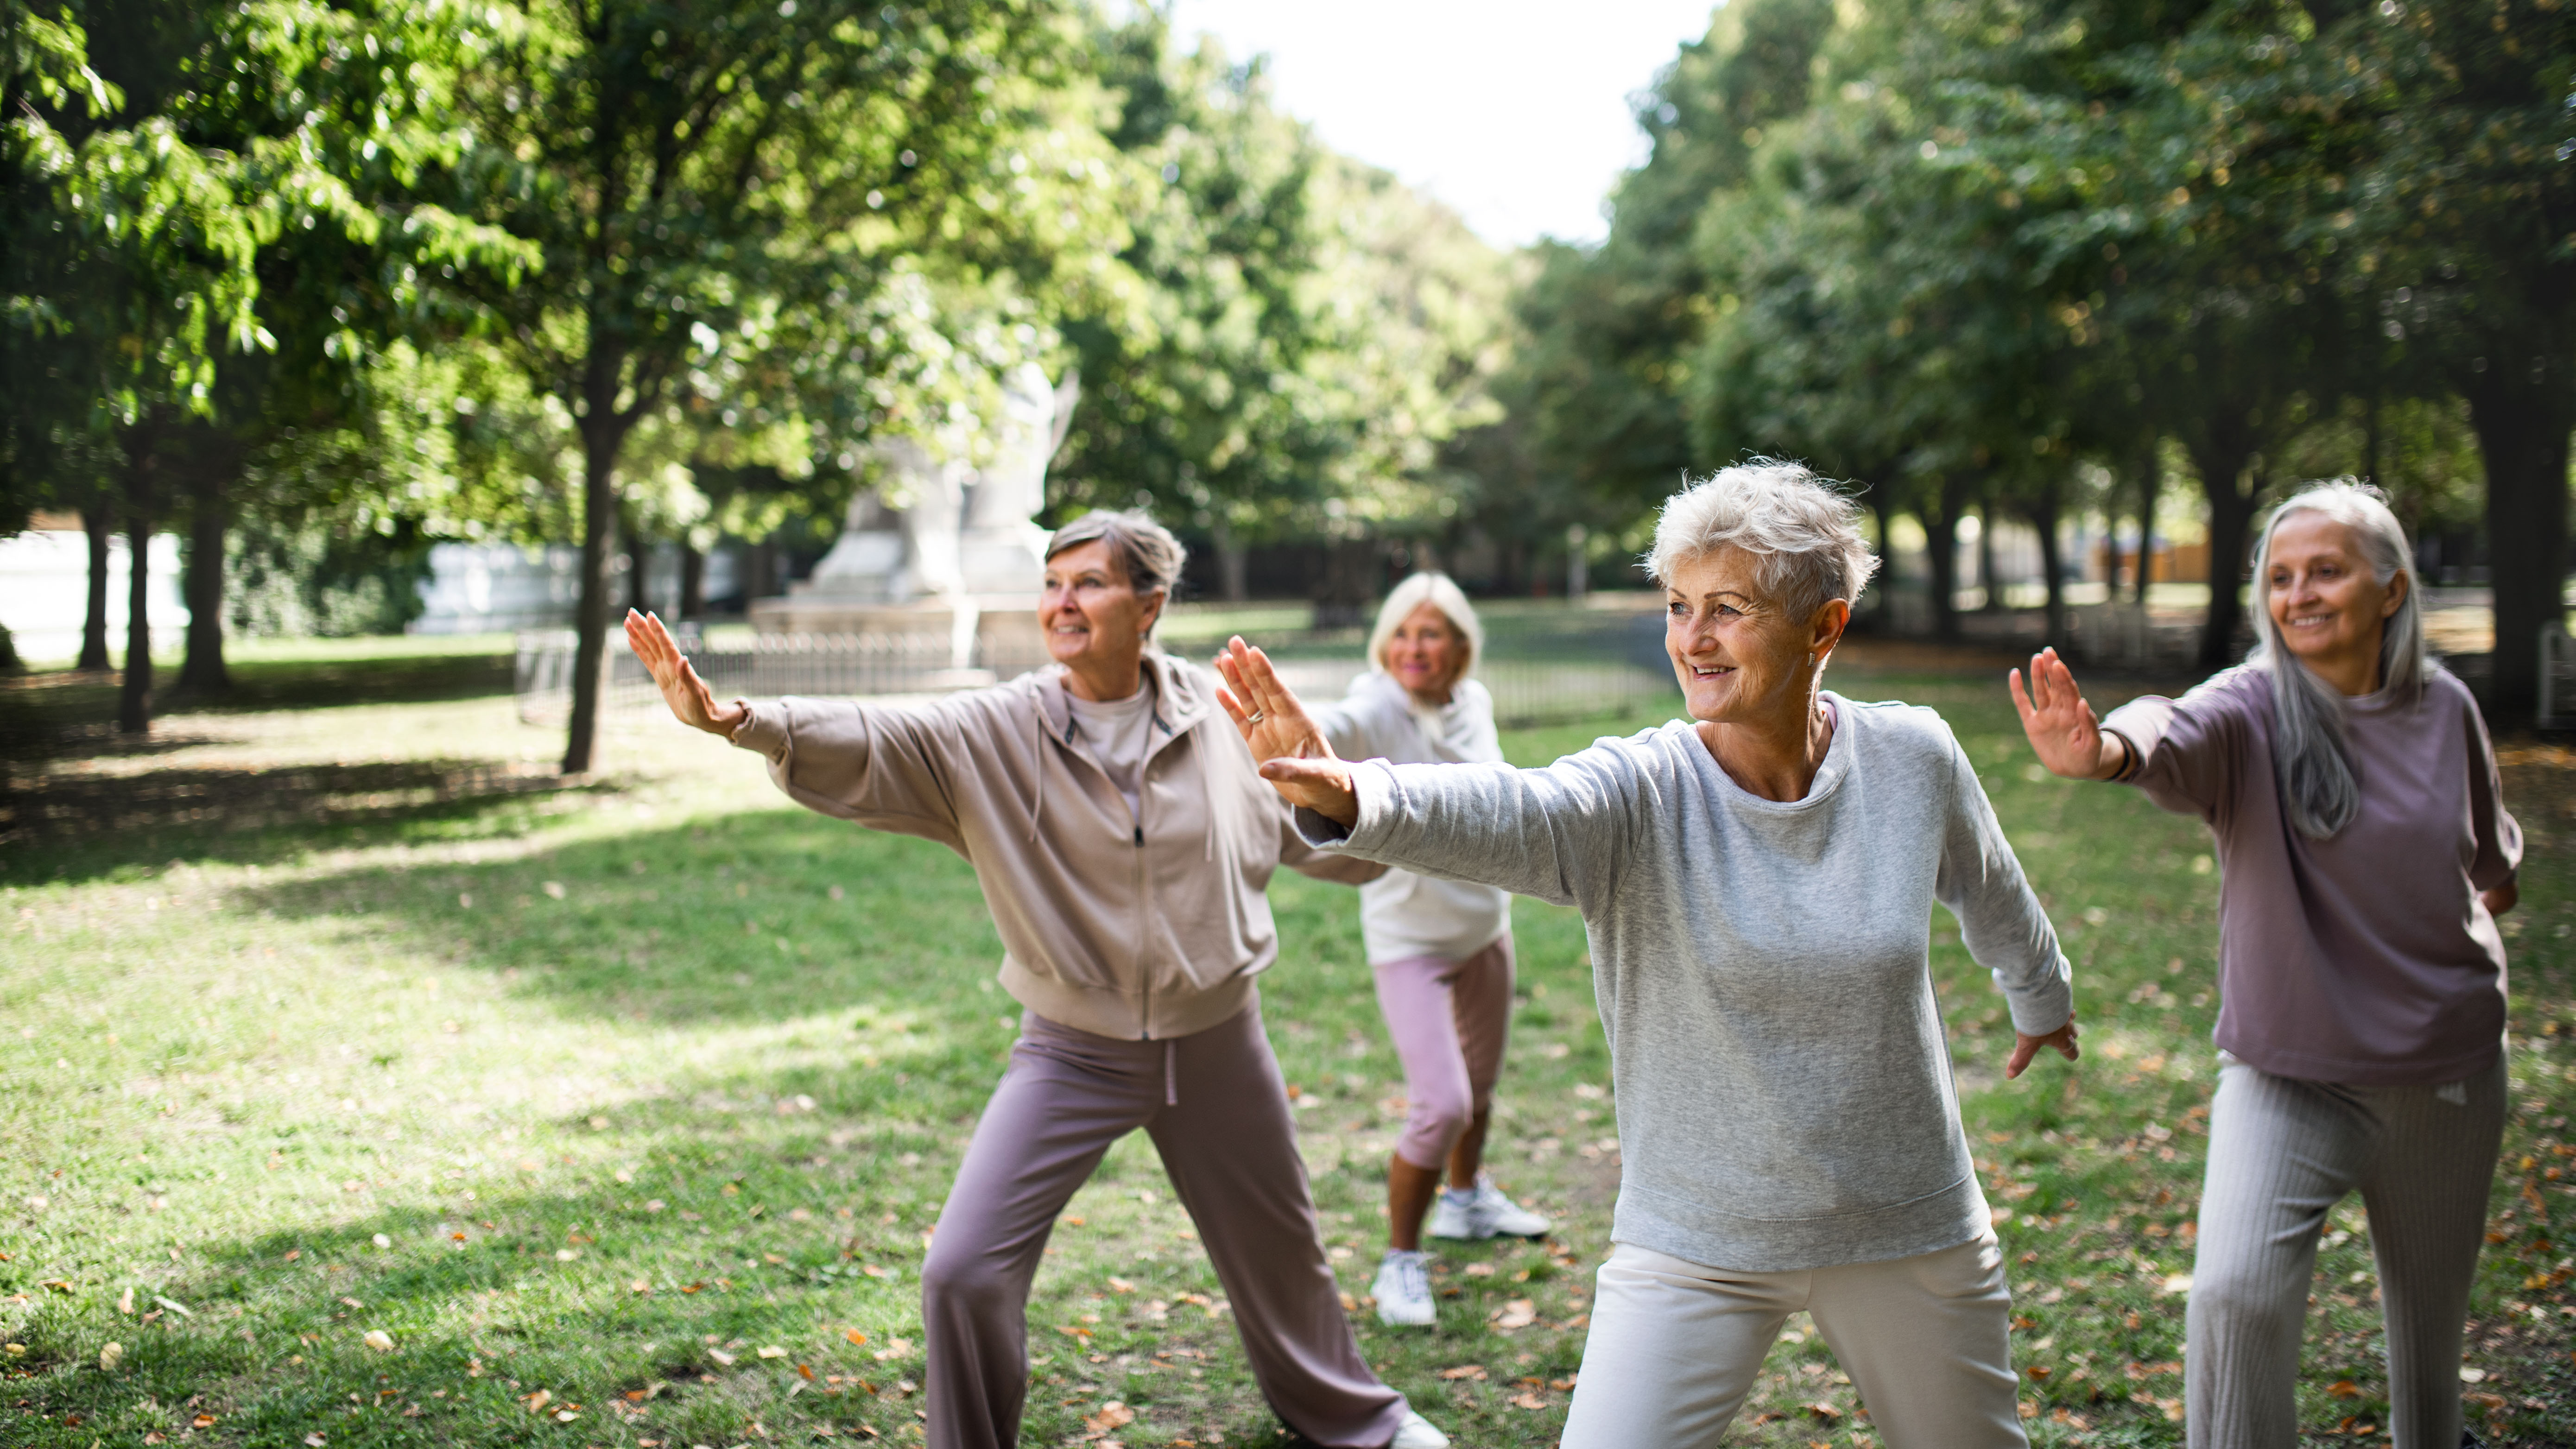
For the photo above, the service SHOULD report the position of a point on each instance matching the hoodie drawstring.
(1171, 1079)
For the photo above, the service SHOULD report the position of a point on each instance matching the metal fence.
(1559, 685)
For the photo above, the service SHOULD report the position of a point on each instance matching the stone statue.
(936, 533)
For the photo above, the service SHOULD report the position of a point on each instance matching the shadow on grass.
(73, 826)
(763, 916)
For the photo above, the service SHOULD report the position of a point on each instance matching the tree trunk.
(1233, 574)
(1941, 552)
(101, 530)
(602, 436)
(209, 516)
(1986, 559)
(2232, 483)
(2151, 483)
(134, 700)
(693, 581)
(2522, 426)
(1884, 610)
(2042, 512)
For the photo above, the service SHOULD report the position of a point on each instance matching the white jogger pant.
(1675, 1347)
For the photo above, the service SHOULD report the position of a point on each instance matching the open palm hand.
(2062, 729)
(682, 689)
(1285, 741)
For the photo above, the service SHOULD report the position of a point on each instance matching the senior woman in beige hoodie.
(1123, 841)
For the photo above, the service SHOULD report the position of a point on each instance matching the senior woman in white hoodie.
(1123, 843)
(1439, 950)
(1757, 882)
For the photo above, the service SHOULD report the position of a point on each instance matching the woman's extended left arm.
(2005, 928)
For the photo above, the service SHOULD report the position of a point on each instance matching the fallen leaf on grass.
(202, 1421)
(854, 1336)
(2473, 1376)
(1519, 1313)
(110, 1356)
(772, 1351)
(379, 1340)
(537, 1401)
(1112, 1415)
(720, 1356)
(1526, 1400)
(1823, 1410)
(1480, 1270)
(14, 1350)
(1465, 1371)
(2344, 1389)
(314, 1441)
(180, 1309)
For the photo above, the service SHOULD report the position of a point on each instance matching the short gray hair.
(1805, 532)
(1439, 591)
(1146, 551)
(2318, 790)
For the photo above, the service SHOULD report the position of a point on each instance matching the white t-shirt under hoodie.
(1404, 915)
(1116, 732)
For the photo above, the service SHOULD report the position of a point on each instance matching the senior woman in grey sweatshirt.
(1757, 882)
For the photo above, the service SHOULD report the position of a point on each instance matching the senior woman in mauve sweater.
(1758, 884)
(1123, 843)
(2365, 854)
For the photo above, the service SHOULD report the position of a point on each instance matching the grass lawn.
(620, 1109)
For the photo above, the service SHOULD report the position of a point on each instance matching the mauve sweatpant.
(1450, 1020)
(1217, 1109)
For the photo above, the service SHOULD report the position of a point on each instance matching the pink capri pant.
(1449, 1020)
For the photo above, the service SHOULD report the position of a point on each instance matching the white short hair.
(1804, 531)
(1438, 591)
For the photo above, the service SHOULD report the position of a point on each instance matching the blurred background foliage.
(300, 274)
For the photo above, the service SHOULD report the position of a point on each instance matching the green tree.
(701, 184)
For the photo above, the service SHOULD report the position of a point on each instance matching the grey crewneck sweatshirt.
(1762, 968)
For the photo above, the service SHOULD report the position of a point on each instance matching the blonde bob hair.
(1438, 591)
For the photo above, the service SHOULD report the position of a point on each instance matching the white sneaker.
(1488, 1214)
(1403, 1293)
(1417, 1433)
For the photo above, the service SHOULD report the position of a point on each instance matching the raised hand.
(1292, 753)
(681, 687)
(2062, 729)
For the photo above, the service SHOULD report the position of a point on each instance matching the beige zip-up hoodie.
(1137, 927)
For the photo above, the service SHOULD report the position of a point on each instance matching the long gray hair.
(2318, 789)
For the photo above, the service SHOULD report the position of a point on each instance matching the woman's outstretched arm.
(1560, 833)
(682, 689)
(2063, 731)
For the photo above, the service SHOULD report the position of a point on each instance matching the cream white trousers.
(1675, 1347)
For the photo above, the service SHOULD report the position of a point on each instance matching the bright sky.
(1515, 112)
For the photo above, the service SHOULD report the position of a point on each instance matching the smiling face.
(2328, 608)
(1425, 653)
(1740, 657)
(1094, 619)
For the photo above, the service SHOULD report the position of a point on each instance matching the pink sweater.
(2365, 959)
